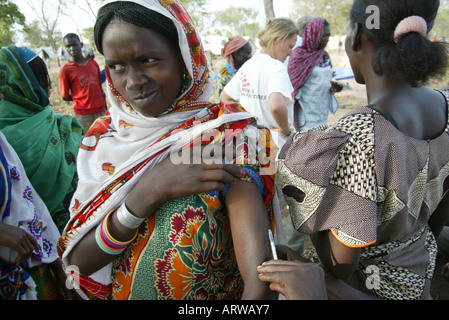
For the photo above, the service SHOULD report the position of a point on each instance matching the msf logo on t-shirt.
(247, 92)
(244, 81)
(87, 80)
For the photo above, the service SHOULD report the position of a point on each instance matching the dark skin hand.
(24, 244)
(18, 240)
(336, 87)
(294, 276)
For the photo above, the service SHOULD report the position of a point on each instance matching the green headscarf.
(47, 143)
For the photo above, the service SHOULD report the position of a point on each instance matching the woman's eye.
(116, 67)
(149, 60)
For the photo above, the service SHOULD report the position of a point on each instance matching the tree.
(48, 15)
(89, 9)
(336, 12)
(442, 23)
(88, 33)
(34, 35)
(237, 20)
(197, 10)
(9, 15)
(269, 9)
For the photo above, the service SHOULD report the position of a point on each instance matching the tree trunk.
(269, 10)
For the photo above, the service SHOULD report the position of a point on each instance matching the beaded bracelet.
(106, 242)
(251, 174)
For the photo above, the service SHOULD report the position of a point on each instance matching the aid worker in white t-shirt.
(262, 85)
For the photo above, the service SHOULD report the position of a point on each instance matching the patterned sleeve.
(254, 152)
(247, 145)
(232, 88)
(328, 179)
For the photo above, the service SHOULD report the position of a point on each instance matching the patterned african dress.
(374, 188)
(22, 207)
(183, 252)
(221, 79)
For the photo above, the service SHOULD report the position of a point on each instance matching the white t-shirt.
(252, 85)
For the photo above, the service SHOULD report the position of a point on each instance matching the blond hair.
(277, 29)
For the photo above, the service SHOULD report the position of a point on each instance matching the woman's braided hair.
(137, 15)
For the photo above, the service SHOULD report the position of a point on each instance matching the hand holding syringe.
(272, 245)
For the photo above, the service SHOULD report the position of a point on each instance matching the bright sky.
(281, 7)
(78, 20)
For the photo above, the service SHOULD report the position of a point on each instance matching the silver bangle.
(127, 219)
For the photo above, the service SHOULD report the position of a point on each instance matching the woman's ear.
(356, 37)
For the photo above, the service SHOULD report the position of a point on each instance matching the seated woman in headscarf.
(28, 235)
(158, 213)
(236, 52)
(47, 143)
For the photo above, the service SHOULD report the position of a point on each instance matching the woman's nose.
(135, 80)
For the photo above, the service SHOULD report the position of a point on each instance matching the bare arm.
(340, 260)
(440, 216)
(87, 255)
(165, 182)
(249, 227)
(296, 125)
(226, 98)
(64, 86)
(279, 111)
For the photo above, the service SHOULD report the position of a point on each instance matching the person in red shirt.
(80, 82)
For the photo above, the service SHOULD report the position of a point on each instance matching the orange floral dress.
(184, 251)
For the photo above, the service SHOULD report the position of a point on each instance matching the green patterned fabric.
(47, 143)
(183, 252)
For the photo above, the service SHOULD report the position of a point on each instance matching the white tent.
(45, 53)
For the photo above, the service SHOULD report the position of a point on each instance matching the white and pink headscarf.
(233, 45)
(306, 57)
